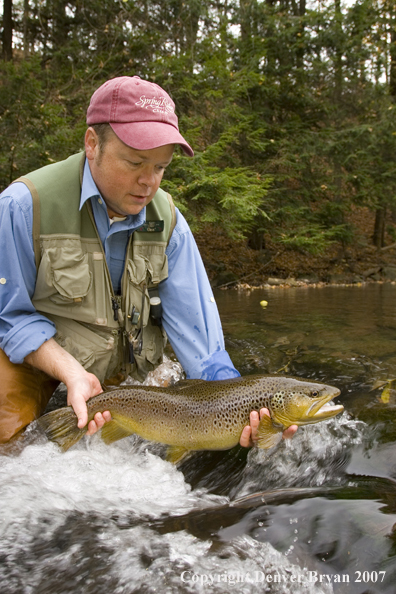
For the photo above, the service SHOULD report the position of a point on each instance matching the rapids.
(315, 515)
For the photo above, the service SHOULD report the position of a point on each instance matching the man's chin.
(132, 210)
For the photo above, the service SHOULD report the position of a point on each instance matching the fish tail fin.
(268, 435)
(61, 427)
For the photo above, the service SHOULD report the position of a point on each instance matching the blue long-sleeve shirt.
(190, 316)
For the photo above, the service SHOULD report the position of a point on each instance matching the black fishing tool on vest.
(135, 342)
(155, 306)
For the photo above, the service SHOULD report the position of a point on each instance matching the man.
(100, 265)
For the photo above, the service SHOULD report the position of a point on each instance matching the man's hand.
(81, 385)
(80, 388)
(249, 433)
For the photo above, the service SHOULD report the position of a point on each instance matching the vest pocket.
(144, 270)
(152, 353)
(155, 347)
(71, 278)
(139, 271)
(96, 353)
(64, 275)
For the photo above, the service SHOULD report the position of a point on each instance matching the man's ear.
(91, 143)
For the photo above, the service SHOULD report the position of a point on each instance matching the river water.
(315, 515)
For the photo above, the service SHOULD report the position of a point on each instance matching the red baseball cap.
(140, 113)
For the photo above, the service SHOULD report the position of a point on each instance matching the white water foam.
(314, 455)
(80, 521)
(56, 513)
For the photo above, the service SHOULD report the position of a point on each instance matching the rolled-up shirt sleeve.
(22, 329)
(190, 316)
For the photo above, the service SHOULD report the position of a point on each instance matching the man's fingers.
(80, 408)
(254, 423)
(245, 437)
(98, 421)
(79, 390)
(249, 433)
(290, 431)
(92, 428)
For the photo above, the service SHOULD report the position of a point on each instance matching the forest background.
(289, 105)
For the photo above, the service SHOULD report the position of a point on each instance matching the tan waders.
(24, 394)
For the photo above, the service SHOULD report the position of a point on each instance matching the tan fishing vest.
(106, 333)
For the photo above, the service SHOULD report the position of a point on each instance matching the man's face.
(127, 178)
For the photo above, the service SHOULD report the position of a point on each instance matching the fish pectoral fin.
(113, 431)
(176, 454)
(268, 435)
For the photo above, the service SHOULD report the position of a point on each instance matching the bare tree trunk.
(7, 30)
(26, 49)
(379, 227)
(338, 53)
(392, 50)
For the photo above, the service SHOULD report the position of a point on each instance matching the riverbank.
(231, 263)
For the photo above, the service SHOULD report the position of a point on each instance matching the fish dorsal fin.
(113, 431)
(268, 435)
(187, 383)
(175, 454)
(110, 388)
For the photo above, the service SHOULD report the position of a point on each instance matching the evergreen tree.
(289, 105)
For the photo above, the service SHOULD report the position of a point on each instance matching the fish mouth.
(327, 411)
(320, 409)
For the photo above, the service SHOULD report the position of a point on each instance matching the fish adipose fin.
(114, 430)
(268, 435)
(176, 454)
(60, 426)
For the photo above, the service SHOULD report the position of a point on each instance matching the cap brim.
(144, 136)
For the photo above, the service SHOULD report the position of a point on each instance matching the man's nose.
(147, 176)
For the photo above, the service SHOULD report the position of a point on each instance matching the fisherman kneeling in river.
(101, 267)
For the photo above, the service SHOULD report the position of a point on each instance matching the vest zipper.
(129, 357)
(115, 307)
(116, 303)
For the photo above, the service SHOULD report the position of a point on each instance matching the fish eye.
(315, 393)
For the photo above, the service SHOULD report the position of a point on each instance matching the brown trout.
(200, 415)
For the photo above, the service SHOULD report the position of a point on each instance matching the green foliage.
(289, 107)
(230, 197)
(313, 238)
(34, 125)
